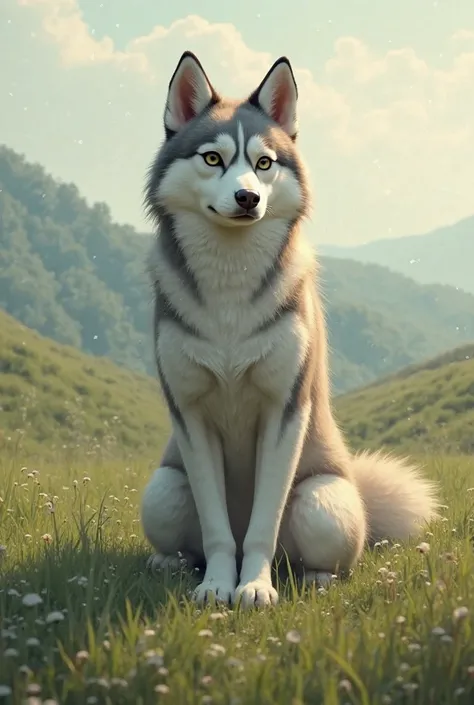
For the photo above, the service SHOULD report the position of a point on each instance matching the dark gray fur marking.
(294, 400)
(174, 255)
(164, 310)
(287, 307)
(170, 400)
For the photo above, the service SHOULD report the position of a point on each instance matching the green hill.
(427, 407)
(71, 273)
(56, 399)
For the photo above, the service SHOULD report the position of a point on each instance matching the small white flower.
(54, 617)
(423, 547)
(162, 689)
(33, 641)
(293, 636)
(205, 632)
(82, 656)
(5, 691)
(460, 613)
(438, 631)
(32, 600)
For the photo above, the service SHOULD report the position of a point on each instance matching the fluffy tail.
(399, 501)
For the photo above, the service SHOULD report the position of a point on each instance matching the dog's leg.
(170, 520)
(324, 527)
(202, 455)
(279, 451)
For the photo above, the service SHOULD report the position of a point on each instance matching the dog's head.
(234, 163)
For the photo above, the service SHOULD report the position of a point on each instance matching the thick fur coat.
(256, 465)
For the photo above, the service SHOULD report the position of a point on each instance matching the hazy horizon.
(386, 98)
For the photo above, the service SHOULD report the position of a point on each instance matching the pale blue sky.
(386, 87)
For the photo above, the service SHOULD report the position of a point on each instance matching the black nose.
(247, 199)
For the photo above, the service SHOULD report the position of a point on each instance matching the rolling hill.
(56, 400)
(427, 407)
(71, 273)
(442, 256)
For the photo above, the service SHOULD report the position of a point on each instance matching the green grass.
(424, 408)
(56, 400)
(394, 632)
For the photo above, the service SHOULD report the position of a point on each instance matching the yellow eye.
(264, 163)
(212, 158)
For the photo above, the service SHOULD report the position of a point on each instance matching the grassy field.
(83, 622)
(424, 408)
(56, 401)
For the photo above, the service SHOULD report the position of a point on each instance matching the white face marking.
(210, 188)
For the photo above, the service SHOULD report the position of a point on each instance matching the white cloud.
(389, 138)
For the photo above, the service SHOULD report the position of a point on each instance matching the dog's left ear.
(277, 96)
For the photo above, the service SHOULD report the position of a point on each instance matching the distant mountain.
(71, 273)
(423, 408)
(444, 256)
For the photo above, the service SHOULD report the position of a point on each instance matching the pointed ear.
(189, 94)
(277, 96)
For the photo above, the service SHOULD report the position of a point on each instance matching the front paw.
(257, 593)
(214, 592)
(160, 562)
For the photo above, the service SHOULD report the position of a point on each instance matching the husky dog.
(256, 466)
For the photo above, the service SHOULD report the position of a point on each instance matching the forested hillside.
(70, 272)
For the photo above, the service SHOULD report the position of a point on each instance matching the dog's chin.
(232, 221)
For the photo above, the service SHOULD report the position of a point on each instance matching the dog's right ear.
(189, 93)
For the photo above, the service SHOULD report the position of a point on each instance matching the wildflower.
(119, 682)
(345, 685)
(215, 650)
(32, 641)
(54, 617)
(438, 631)
(32, 600)
(13, 593)
(162, 689)
(85, 480)
(82, 657)
(33, 689)
(5, 691)
(217, 615)
(205, 632)
(47, 538)
(153, 658)
(400, 619)
(293, 636)
(460, 614)
(11, 653)
(423, 547)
